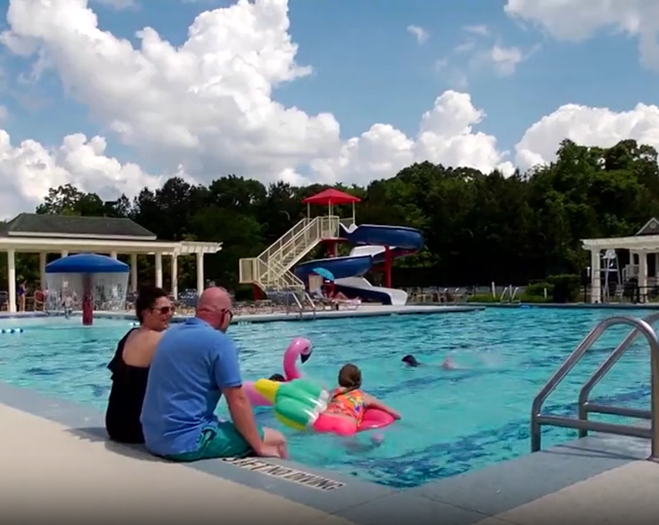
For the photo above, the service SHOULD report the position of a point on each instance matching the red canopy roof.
(331, 196)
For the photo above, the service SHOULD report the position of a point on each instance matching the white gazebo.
(44, 234)
(643, 249)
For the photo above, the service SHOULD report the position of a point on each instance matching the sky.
(115, 95)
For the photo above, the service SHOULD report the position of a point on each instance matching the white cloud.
(205, 109)
(118, 4)
(587, 126)
(419, 33)
(576, 20)
(503, 59)
(28, 170)
(477, 30)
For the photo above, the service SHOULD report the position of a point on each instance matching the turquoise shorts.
(221, 441)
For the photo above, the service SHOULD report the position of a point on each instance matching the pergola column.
(174, 272)
(159, 269)
(114, 255)
(43, 259)
(200, 273)
(11, 277)
(133, 272)
(643, 275)
(595, 277)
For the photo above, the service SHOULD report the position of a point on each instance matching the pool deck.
(57, 464)
(361, 311)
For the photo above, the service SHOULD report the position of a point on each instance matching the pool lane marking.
(289, 474)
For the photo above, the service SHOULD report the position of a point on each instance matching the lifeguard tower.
(278, 268)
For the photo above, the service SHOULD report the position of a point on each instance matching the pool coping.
(464, 499)
(585, 306)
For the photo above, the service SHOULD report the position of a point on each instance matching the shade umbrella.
(325, 274)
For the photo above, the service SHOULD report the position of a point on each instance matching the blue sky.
(369, 68)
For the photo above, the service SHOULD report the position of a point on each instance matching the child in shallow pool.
(349, 402)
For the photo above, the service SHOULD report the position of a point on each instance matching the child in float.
(348, 403)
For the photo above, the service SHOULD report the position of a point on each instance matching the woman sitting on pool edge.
(348, 403)
(130, 366)
(411, 361)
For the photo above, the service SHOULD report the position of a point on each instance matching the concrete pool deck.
(362, 311)
(57, 463)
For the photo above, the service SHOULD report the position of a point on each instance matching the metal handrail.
(311, 302)
(300, 308)
(586, 407)
(503, 293)
(640, 327)
(512, 297)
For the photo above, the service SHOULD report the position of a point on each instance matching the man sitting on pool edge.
(194, 365)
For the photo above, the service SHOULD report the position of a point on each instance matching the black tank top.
(122, 418)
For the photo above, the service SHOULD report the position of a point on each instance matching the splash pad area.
(88, 282)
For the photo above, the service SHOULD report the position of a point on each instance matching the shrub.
(538, 290)
(566, 287)
(535, 299)
(482, 298)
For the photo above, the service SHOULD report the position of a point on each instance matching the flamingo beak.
(305, 357)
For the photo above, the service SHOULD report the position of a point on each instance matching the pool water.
(453, 421)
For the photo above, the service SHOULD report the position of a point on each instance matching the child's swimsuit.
(351, 404)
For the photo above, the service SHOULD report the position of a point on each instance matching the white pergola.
(65, 244)
(641, 246)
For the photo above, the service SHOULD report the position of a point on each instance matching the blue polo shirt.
(192, 364)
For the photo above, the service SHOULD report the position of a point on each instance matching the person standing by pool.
(22, 295)
(196, 364)
(130, 366)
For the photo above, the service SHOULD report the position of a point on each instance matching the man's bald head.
(214, 307)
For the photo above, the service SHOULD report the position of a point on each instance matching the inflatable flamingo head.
(301, 348)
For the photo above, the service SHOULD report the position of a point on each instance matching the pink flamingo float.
(300, 348)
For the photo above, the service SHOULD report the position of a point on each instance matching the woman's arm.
(373, 402)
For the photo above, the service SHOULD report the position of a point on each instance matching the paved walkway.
(49, 472)
(625, 495)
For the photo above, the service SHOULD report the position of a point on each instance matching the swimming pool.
(453, 421)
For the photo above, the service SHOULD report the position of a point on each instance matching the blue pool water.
(453, 421)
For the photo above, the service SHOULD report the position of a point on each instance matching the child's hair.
(278, 377)
(350, 377)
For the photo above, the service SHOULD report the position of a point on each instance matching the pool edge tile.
(497, 488)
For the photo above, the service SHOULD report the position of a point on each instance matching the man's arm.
(227, 377)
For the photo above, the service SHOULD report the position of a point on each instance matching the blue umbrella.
(87, 263)
(325, 274)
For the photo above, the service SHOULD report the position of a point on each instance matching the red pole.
(87, 301)
(387, 267)
(256, 291)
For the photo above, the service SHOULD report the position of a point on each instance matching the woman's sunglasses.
(164, 310)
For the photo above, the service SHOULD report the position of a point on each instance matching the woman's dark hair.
(146, 299)
(278, 377)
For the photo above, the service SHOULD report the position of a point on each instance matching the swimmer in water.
(412, 362)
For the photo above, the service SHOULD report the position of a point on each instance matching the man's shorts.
(221, 441)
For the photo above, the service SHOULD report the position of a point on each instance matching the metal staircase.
(271, 270)
(640, 327)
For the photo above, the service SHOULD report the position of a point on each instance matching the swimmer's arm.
(373, 402)
(227, 378)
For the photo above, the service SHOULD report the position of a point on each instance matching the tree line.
(478, 227)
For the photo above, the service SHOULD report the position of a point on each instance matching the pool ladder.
(582, 423)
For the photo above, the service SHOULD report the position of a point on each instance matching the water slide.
(370, 241)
